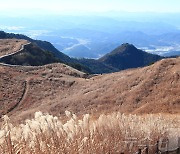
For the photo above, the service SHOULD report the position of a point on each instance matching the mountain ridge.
(123, 57)
(151, 89)
(29, 55)
(42, 44)
(47, 46)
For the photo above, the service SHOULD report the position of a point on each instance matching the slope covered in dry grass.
(8, 46)
(55, 88)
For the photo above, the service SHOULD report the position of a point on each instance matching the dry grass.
(55, 88)
(8, 46)
(106, 134)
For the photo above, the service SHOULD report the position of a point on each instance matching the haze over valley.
(92, 36)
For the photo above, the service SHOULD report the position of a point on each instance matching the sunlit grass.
(106, 134)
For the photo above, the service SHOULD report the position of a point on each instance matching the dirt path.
(10, 54)
(23, 96)
(22, 48)
(25, 92)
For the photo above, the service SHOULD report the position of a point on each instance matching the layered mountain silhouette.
(124, 57)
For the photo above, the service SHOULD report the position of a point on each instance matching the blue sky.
(64, 6)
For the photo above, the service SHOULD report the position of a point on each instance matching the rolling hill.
(47, 46)
(42, 44)
(30, 55)
(55, 88)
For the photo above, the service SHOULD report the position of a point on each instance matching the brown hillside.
(55, 88)
(9, 46)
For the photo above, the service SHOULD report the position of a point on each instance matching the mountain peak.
(125, 47)
(128, 56)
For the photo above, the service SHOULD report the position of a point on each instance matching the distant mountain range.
(42, 52)
(93, 36)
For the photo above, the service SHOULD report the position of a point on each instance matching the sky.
(73, 6)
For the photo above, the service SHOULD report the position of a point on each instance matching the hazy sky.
(60, 6)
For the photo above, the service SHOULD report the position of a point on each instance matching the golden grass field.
(47, 134)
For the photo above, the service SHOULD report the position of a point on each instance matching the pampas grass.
(47, 134)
